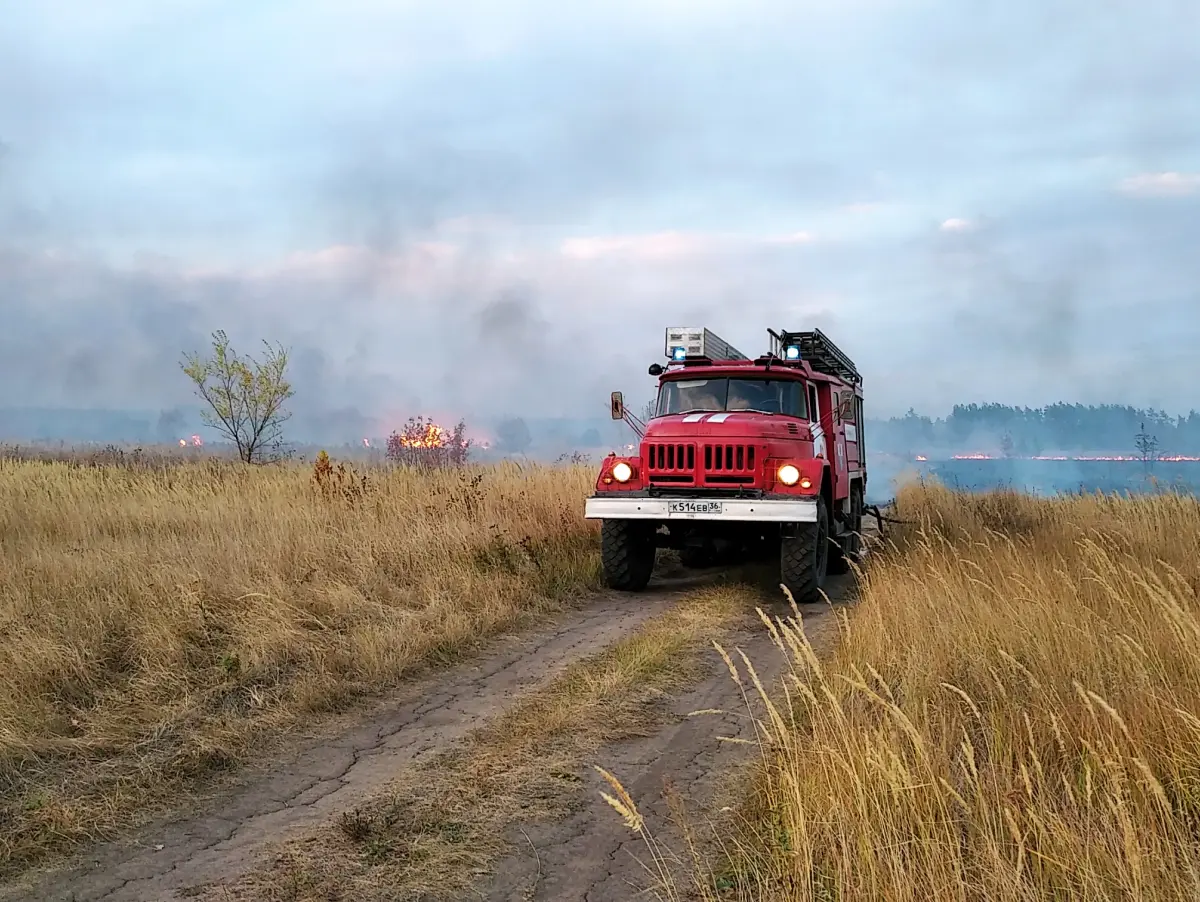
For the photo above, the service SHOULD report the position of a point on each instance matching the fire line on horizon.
(1167, 458)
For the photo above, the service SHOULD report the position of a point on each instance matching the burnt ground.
(586, 857)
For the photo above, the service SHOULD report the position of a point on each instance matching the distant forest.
(1022, 431)
(994, 429)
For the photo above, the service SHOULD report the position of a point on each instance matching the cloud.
(663, 245)
(1161, 184)
(955, 224)
(675, 245)
(793, 238)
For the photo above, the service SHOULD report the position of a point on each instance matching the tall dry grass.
(156, 623)
(1013, 713)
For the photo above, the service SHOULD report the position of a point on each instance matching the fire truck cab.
(740, 457)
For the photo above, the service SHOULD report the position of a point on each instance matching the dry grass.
(1013, 714)
(436, 830)
(158, 622)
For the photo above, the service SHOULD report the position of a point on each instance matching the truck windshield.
(763, 395)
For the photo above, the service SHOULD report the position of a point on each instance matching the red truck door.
(837, 457)
(830, 445)
(816, 423)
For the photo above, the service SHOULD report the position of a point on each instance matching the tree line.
(1026, 431)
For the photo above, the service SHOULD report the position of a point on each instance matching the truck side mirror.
(618, 406)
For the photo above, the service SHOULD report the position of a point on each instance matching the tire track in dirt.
(328, 776)
(592, 856)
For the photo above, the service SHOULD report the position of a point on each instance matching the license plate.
(694, 507)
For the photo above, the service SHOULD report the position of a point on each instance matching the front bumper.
(760, 510)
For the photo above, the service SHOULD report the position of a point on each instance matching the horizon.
(984, 440)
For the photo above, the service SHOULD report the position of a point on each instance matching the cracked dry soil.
(587, 857)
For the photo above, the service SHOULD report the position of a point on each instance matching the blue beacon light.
(791, 352)
(678, 353)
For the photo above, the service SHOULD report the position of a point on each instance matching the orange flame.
(1166, 458)
(922, 457)
(196, 441)
(366, 443)
(432, 436)
(183, 443)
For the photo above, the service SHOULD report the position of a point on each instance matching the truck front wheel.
(627, 554)
(804, 557)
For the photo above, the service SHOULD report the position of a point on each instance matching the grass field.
(1013, 714)
(158, 621)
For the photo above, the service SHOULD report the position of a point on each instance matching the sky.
(481, 208)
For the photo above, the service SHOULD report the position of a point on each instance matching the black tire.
(804, 557)
(695, 558)
(627, 554)
(850, 547)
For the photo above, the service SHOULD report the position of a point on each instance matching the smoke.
(170, 426)
(493, 215)
(1028, 316)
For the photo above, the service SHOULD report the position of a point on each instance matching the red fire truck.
(740, 457)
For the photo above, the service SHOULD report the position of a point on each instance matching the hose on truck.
(881, 518)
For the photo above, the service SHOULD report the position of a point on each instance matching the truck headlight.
(622, 472)
(789, 475)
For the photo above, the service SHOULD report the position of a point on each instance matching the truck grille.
(673, 463)
(729, 464)
(729, 458)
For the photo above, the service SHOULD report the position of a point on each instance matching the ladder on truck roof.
(821, 353)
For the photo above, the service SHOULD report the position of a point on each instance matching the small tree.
(245, 397)
(1147, 446)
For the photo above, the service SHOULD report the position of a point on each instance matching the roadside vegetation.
(1013, 713)
(161, 620)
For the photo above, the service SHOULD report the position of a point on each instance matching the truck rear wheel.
(627, 554)
(850, 548)
(804, 558)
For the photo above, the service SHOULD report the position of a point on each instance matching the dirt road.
(328, 775)
(593, 857)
